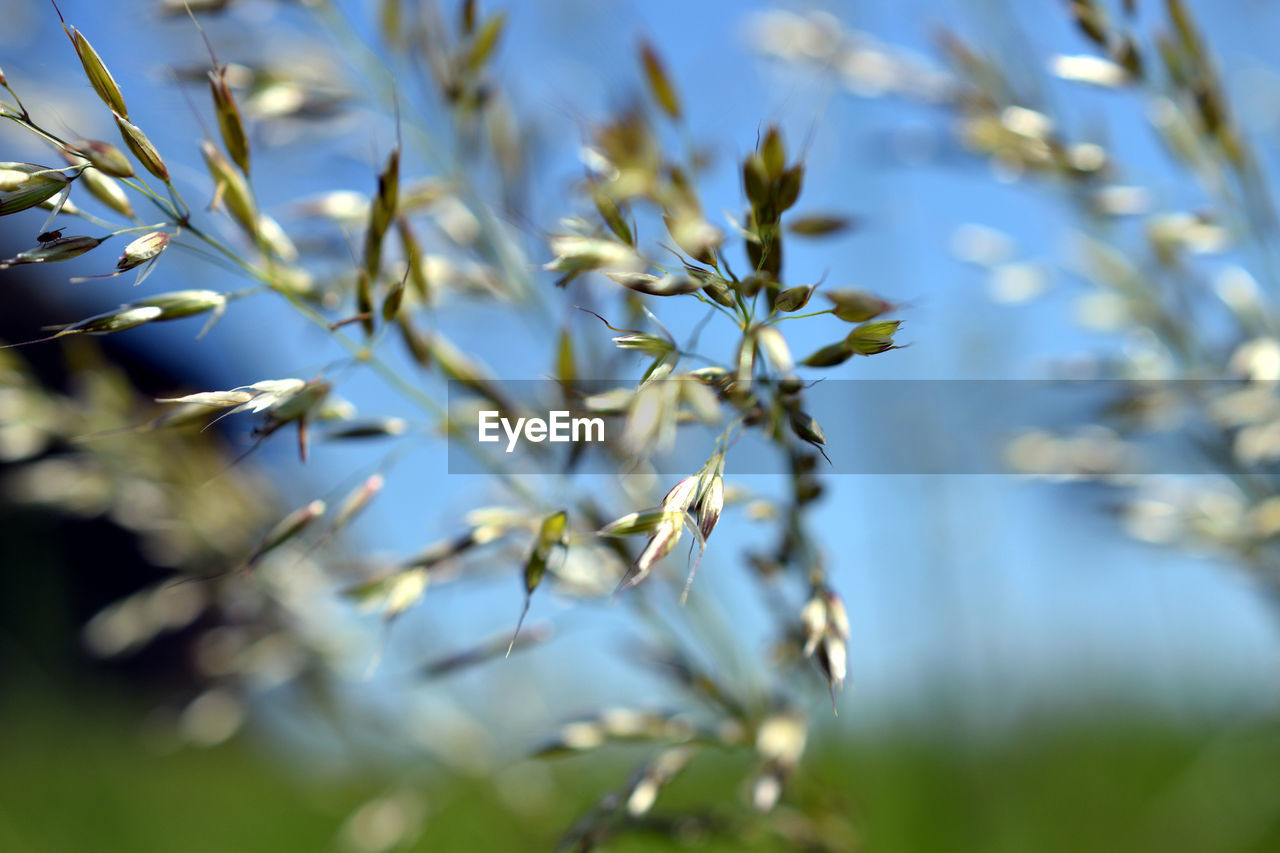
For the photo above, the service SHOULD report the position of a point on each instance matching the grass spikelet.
(142, 149)
(94, 69)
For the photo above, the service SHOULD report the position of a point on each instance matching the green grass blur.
(77, 777)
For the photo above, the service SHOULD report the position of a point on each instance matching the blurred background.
(1032, 665)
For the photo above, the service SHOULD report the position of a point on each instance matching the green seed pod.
(183, 303)
(857, 306)
(793, 298)
(755, 181)
(612, 216)
(873, 338)
(229, 121)
(107, 191)
(806, 428)
(773, 155)
(718, 289)
(388, 196)
(550, 534)
(830, 355)
(106, 158)
(394, 299)
(670, 285)
(231, 188)
(289, 527)
(113, 321)
(645, 521)
(300, 402)
(26, 185)
(789, 187)
(660, 85)
(142, 148)
(99, 77)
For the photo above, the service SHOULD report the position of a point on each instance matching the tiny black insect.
(49, 236)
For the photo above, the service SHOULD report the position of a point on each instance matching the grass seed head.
(184, 303)
(793, 298)
(711, 505)
(113, 321)
(99, 77)
(660, 85)
(551, 532)
(806, 427)
(813, 618)
(26, 185)
(141, 146)
(107, 190)
(644, 521)
(774, 346)
(682, 494)
(288, 527)
(62, 249)
(146, 248)
(818, 225)
(230, 188)
(355, 502)
(664, 540)
(106, 158)
(386, 201)
(857, 306)
(830, 355)
(873, 338)
(229, 121)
